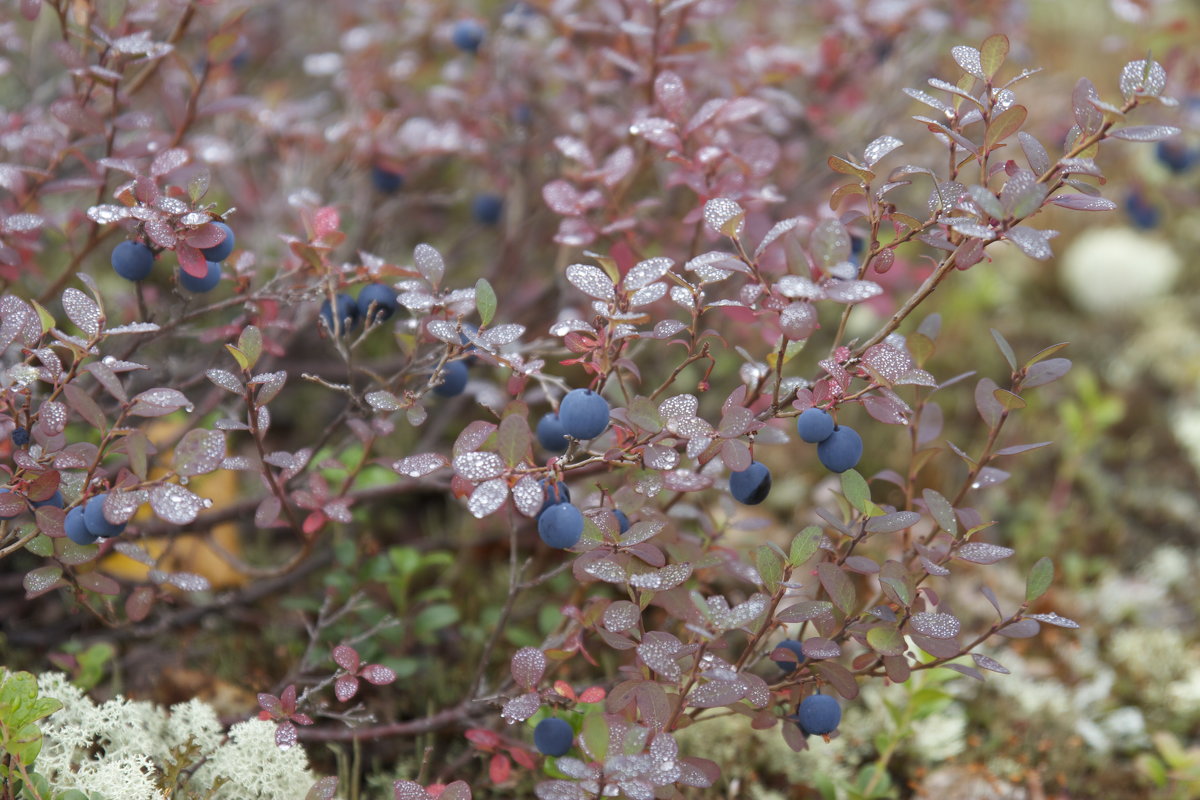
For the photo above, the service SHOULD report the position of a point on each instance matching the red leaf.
(564, 689)
(482, 738)
(326, 221)
(523, 757)
(346, 658)
(313, 522)
(270, 704)
(191, 260)
(500, 768)
(288, 698)
(377, 674)
(206, 236)
(593, 694)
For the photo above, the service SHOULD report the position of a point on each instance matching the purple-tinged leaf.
(199, 452)
(158, 402)
(716, 693)
(982, 553)
(345, 687)
(1083, 202)
(377, 674)
(969, 60)
(419, 466)
(429, 263)
(528, 666)
(175, 504)
(838, 586)
(837, 676)
(346, 657)
(879, 148)
(323, 789)
(522, 708)
(1142, 77)
(935, 625)
(1033, 243)
(1045, 372)
(990, 664)
(970, 672)
(895, 521)
(1020, 448)
(1022, 194)
(816, 647)
(409, 790)
(1021, 629)
(1055, 619)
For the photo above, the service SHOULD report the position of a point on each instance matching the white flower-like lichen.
(256, 768)
(122, 748)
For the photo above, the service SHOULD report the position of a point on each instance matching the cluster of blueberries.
(375, 303)
(839, 447)
(486, 207)
(582, 414)
(85, 523)
(133, 261)
(818, 714)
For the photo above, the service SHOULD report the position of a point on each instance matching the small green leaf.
(804, 544)
(886, 641)
(595, 735)
(1010, 401)
(942, 511)
(1044, 354)
(770, 567)
(485, 301)
(238, 356)
(1039, 579)
(46, 318)
(250, 343)
(1005, 349)
(992, 54)
(854, 487)
(513, 439)
(644, 414)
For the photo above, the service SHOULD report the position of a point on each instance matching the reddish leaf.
(483, 738)
(345, 687)
(499, 768)
(593, 694)
(346, 657)
(377, 674)
(191, 260)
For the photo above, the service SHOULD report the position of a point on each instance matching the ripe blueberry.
(622, 520)
(550, 433)
(93, 517)
(55, 500)
(383, 298)
(385, 180)
(132, 260)
(554, 492)
(819, 714)
(814, 425)
(560, 525)
(1142, 213)
(76, 527)
(454, 380)
(842, 450)
(221, 250)
(201, 285)
(553, 737)
(752, 485)
(347, 314)
(486, 208)
(20, 437)
(583, 413)
(789, 664)
(467, 35)
(1175, 154)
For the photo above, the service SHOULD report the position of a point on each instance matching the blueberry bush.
(495, 392)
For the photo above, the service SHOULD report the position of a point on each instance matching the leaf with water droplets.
(199, 452)
(175, 504)
(528, 666)
(158, 402)
(941, 510)
(968, 58)
(646, 272)
(478, 466)
(487, 498)
(1142, 77)
(522, 708)
(502, 334)
(1032, 242)
(82, 310)
(1055, 619)
(990, 664)
(592, 281)
(41, 580)
(982, 553)
(621, 616)
(429, 263)
(383, 400)
(168, 161)
(934, 625)
(662, 580)
(189, 582)
(724, 216)
(851, 291)
(1145, 133)
(879, 148)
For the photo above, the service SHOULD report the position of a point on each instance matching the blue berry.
(55, 500)
(454, 380)
(382, 297)
(554, 493)
(583, 414)
(221, 250)
(1142, 213)
(385, 180)
(551, 435)
(93, 517)
(201, 285)
(622, 520)
(751, 485)
(842, 450)
(1176, 155)
(786, 664)
(561, 525)
(486, 208)
(132, 260)
(20, 437)
(819, 714)
(76, 527)
(814, 425)
(347, 315)
(553, 737)
(467, 35)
